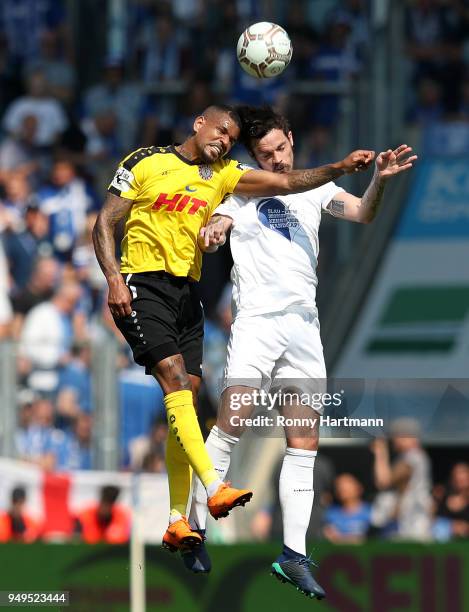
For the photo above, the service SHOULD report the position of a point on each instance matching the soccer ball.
(264, 50)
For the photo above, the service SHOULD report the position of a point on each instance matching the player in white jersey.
(275, 341)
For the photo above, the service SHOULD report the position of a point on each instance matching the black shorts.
(167, 318)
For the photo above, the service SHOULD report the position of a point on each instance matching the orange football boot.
(179, 534)
(226, 498)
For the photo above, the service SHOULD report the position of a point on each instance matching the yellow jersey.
(173, 198)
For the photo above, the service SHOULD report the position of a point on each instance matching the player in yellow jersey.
(166, 195)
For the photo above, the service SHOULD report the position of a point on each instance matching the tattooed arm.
(364, 209)
(263, 183)
(114, 210)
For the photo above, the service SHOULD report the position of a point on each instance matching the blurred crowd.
(397, 500)
(65, 125)
(402, 502)
(105, 520)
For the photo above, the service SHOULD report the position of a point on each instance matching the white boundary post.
(137, 552)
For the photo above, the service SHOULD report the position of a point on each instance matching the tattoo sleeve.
(372, 198)
(303, 180)
(114, 209)
(336, 208)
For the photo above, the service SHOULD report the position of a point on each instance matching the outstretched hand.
(357, 161)
(389, 163)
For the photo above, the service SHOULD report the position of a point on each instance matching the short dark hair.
(18, 495)
(257, 121)
(223, 108)
(109, 494)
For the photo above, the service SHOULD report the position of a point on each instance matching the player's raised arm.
(363, 210)
(264, 183)
(114, 209)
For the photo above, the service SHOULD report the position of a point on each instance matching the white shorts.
(275, 351)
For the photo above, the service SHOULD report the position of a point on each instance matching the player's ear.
(198, 123)
(290, 138)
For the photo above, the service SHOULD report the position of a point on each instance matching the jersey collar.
(189, 162)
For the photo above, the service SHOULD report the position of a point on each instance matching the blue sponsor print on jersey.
(273, 213)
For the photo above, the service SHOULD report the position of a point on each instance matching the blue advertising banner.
(438, 205)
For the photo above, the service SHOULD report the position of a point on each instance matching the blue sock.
(288, 554)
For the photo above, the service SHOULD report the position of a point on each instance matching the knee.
(306, 443)
(171, 375)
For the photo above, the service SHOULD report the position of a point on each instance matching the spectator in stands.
(75, 450)
(105, 521)
(58, 70)
(18, 196)
(26, 399)
(6, 313)
(81, 452)
(402, 509)
(47, 337)
(452, 511)
(18, 153)
(146, 451)
(66, 202)
(87, 268)
(37, 440)
(102, 149)
(24, 22)
(75, 378)
(164, 56)
(34, 273)
(117, 95)
(154, 462)
(103, 329)
(49, 114)
(165, 59)
(348, 521)
(43, 279)
(16, 524)
(141, 404)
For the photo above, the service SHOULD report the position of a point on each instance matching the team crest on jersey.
(205, 172)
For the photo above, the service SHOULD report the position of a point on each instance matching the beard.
(282, 168)
(208, 155)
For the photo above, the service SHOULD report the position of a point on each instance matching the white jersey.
(275, 247)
